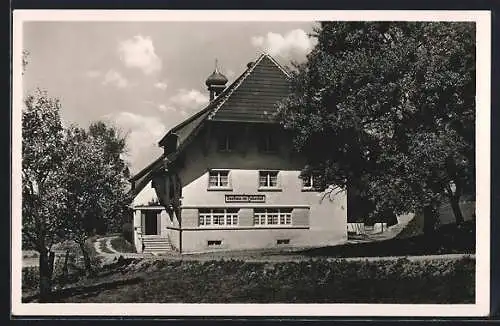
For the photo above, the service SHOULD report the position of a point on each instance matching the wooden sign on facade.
(245, 198)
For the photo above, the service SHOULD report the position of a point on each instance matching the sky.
(146, 77)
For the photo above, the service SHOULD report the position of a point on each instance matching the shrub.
(30, 278)
(122, 245)
(95, 259)
(128, 232)
(312, 281)
(74, 270)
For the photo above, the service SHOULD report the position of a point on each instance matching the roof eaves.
(146, 169)
(185, 122)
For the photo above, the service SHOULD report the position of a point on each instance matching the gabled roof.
(252, 97)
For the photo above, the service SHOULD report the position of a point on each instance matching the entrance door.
(151, 223)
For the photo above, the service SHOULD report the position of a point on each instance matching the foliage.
(76, 268)
(95, 183)
(114, 148)
(128, 232)
(121, 244)
(73, 182)
(392, 106)
(43, 155)
(43, 192)
(51, 177)
(313, 281)
(30, 278)
(447, 239)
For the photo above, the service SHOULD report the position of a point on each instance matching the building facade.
(229, 178)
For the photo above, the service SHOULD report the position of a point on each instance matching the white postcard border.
(483, 89)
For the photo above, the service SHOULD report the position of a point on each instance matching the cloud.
(93, 73)
(161, 85)
(139, 52)
(143, 134)
(183, 102)
(294, 45)
(188, 99)
(165, 108)
(114, 78)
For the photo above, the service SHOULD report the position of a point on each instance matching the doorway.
(151, 223)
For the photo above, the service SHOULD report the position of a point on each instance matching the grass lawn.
(448, 239)
(122, 245)
(312, 281)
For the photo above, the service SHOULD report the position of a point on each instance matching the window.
(218, 179)
(268, 179)
(272, 216)
(224, 143)
(267, 143)
(308, 182)
(282, 241)
(213, 243)
(218, 217)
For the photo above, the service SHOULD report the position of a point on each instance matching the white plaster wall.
(197, 240)
(137, 231)
(146, 195)
(327, 220)
(324, 213)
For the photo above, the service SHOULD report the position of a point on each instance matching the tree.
(390, 106)
(95, 183)
(115, 147)
(43, 194)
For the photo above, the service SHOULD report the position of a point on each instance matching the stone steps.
(156, 244)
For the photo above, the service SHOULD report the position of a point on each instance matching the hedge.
(312, 281)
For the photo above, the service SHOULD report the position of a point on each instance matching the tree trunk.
(65, 268)
(86, 259)
(392, 220)
(45, 285)
(430, 219)
(52, 258)
(455, 206)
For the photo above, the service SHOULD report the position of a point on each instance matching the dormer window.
(225, 143)
(267, 143)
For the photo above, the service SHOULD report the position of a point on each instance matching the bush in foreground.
(64, 272)
(120, 244)
(313, 281)
(128, 232)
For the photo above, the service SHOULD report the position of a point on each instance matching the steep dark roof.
(250, 98)
(255, 98)
(184, 129)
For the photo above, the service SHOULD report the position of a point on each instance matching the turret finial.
(216, 82)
